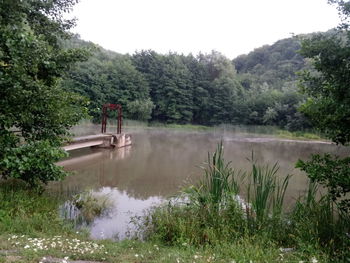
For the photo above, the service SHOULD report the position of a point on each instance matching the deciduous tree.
(328, 106)
(35, 113)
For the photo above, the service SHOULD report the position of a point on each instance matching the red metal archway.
(105, 108)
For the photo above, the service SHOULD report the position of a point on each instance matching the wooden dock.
(99, 140)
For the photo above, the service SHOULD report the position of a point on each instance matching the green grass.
(247, 250)
(244, 129)
(26, 212)
(191, 127)
(29, 222)
(299, 135)
(31, 229)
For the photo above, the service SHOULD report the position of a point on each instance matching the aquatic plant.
(85, 207)
(213, 210)
(265, 194)
(220, 184)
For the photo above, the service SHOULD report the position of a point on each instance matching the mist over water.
(162, 161)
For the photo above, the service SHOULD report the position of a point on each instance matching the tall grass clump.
(220, 182)
(265, 198)
(206, 213)
(83, 208)
(213, 210)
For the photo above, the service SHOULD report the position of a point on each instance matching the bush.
(332, 173)
(33, 163)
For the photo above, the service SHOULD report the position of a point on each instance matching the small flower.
(314, 260)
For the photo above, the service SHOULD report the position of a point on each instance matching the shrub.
(33, 163)
(332, 173)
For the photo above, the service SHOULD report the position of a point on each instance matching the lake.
(163, 161)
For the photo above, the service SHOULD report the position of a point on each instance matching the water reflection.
(117, 223)
(160, 163)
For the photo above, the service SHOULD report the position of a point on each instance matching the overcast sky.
(232, 27)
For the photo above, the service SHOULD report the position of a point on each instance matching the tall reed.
(220, 183)
(265, 195)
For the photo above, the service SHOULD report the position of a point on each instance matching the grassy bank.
(299, 135)
(31, 231)
(241, 129)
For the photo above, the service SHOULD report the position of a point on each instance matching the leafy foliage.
(107, 77)
(327, 88)
(34, 158)
(34, 111)
(333, 173)
(275, 65)
(140, 109)
(328, 106)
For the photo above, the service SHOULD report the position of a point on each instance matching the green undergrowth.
(30, 230)
(23, 211)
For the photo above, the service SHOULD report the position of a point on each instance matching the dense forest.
(257, 88)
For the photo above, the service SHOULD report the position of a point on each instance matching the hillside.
(274, 64)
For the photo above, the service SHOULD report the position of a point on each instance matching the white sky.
(232, 27)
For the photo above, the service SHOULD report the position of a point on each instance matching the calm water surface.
(161, 162)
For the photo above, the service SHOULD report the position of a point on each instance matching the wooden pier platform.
(99, 140)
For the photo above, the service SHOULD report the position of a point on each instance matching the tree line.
(258, 88)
